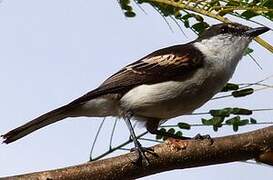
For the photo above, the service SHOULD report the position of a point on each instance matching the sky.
(52, 52)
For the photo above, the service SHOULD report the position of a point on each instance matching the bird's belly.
(172, 98)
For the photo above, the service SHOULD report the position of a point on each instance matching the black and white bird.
(165, 84)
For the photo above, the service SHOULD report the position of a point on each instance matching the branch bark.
(173, 154)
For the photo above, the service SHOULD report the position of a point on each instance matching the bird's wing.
(171, 63)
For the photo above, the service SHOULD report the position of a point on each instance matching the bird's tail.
(37, 123)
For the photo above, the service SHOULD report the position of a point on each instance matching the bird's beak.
(256, 31)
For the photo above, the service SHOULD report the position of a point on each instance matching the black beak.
(256, 31)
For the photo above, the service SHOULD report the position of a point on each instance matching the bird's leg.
(141, 150)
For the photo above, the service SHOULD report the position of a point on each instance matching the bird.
(164, 84)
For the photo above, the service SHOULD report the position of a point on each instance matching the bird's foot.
(141, 156)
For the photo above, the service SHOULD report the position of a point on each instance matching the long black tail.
(37, 123)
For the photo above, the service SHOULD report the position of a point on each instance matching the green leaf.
(200, 27)
(221, 112)
(124, 4)
(167, 10)
(183, 125)
(249, 14)
(215, 128)
(248, 51)
(217, 121)
(171, 131)
(198, 18)
(233, 3)
(253, 121)
(214, 3)
(187, 16)
(230, 87)
(127, 7)
(235, 127)
(179, 134)
(142, 1)
(162, 130)
(236, 122)
(243, 122)
(207, 122)
(160, 136)
(130, 14)
(186, 23)
(233, 120)
(268, 4)
(269, 15)
(241, 111)
(242, 93)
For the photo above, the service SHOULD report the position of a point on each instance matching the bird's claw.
(141, 156)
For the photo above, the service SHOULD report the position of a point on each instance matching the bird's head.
(232, 30)
(227, 41)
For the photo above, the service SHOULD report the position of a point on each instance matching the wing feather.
(176, 62)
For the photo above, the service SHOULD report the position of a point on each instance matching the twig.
(112, 133)
(118, 147)
(96, 137)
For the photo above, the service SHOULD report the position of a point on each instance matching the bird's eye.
(224, 29)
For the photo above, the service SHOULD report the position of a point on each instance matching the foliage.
(218, 119)
(192, 12)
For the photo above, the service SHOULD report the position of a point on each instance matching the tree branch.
(173, 154)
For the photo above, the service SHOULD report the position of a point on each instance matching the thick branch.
(173, 154)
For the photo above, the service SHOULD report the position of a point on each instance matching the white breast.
(172, 98)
